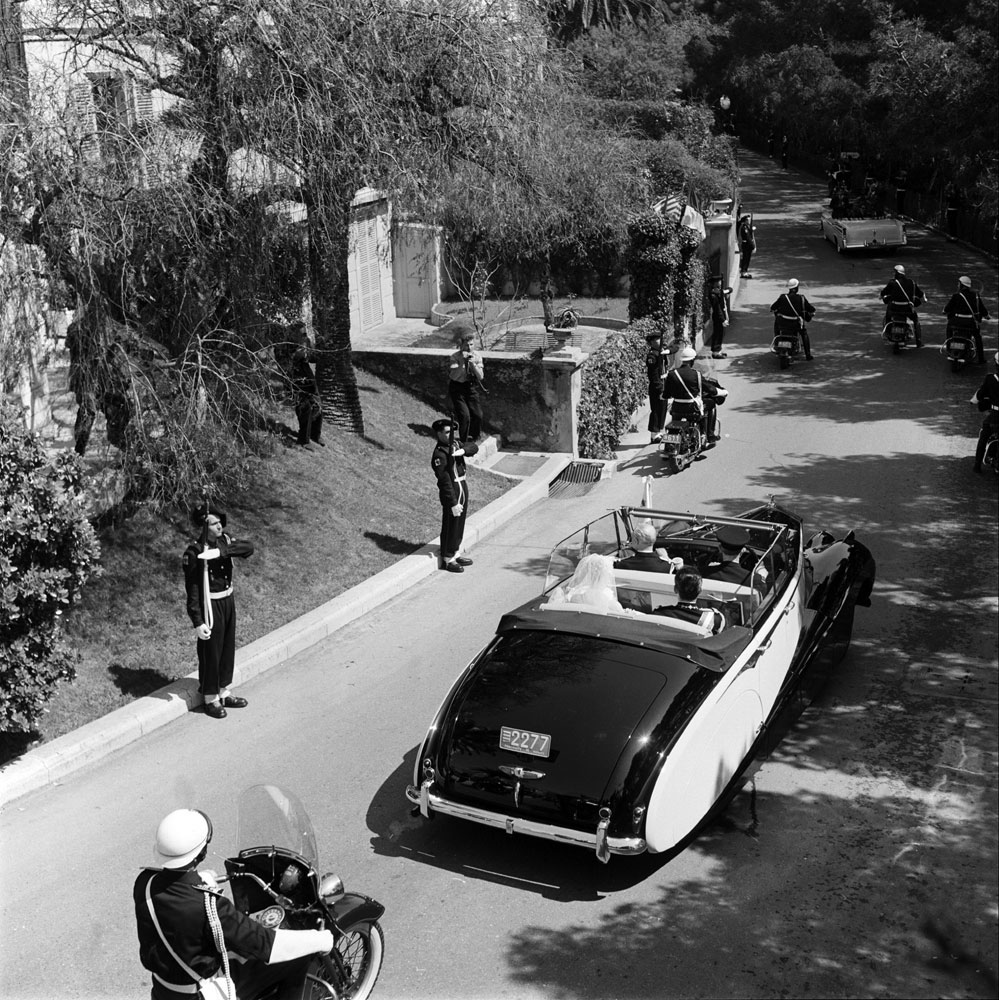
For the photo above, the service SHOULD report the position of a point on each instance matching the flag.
(671, 207)
(693, 219)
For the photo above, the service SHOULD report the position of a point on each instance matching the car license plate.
(525, 741)
(785, 343)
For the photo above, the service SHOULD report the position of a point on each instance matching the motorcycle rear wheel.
(785, 362)
(673, 465)
(362, 951)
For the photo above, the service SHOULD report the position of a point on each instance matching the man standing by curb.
(210, 605)
(448, 463)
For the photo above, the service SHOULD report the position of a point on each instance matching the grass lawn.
(321, 521)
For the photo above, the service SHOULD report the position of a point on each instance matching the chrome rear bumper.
(430, 802)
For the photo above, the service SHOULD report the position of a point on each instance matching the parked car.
(626, 731)
(885, 233)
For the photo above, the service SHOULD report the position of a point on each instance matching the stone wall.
(528, 401)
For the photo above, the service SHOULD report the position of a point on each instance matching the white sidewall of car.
(704, 760)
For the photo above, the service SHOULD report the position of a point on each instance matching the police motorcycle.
(990, 459)
(898, 330)
(787, 339)
(684, 437)
(959, 344)
(275, 880)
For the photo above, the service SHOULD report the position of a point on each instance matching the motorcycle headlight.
(331, 887)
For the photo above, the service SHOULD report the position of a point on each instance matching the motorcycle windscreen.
(561, 708)
(270, 816)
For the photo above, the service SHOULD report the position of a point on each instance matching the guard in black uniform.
(732, 540)
(747, 244)
(655, 366)
(466, 373)
(308, 405)
(902, 294)
(792, 305)
(987, 397)
(691, 395)
(176, 906)
(719, 316)
(210, 605)
(448, 463)
(966, 310)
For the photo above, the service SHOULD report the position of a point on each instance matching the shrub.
(48, 550)
(654, 263)
(614, 384)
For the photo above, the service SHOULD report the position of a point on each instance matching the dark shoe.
(215, 710)
(453, 567)
(714, 437)
(808, 357)
(234, 701)
(320, 442)
(463, 561)
(719, 356)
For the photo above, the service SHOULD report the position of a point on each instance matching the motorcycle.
(787, 340)
(959, 344)
(898, 330)
(683, 436)
(276, 882)
(991, 458)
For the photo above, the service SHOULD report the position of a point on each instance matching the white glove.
(456, 510)
(289, 945)
(203, 631)
(209, 878)
(677, 563)
(209, 554)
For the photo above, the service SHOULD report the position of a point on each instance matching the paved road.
(876, 817)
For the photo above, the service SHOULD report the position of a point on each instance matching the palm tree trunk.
(329, 245)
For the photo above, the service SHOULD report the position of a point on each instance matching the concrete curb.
(50, 763)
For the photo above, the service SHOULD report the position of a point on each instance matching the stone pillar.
(722, 240)
(563, 387)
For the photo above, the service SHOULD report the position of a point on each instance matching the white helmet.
(687, 354)
(181, 837)
(792, 282)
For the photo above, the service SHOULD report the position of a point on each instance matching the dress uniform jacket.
(219, 573)
(179, 905)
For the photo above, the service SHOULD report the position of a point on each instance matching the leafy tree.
(48, 550)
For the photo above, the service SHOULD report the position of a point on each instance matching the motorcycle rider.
(988, 396)
(791, 306)
(180, 915)
(966, 310)
(689, 394)
(903, 295)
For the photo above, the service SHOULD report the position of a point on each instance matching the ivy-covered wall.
(614, 386)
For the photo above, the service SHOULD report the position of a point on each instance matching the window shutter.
(84, 119)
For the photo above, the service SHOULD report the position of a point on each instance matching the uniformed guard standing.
(966, 306)
(448, 463)
(719, 316)
(747, 244)
(904, 295)
(210, 605)
(655, 366)
(465, 375)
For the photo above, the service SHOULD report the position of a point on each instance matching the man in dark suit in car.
(647, 558)
(688, 588)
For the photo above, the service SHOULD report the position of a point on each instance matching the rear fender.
(352, 909)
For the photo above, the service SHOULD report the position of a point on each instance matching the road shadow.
(136, 681)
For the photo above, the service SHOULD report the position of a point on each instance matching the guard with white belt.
(965, 311)
(211, 607)
(448, 463)
(793, 307)
(902, 295)
(193, 940)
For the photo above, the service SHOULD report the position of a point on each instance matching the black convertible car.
(625, 731)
